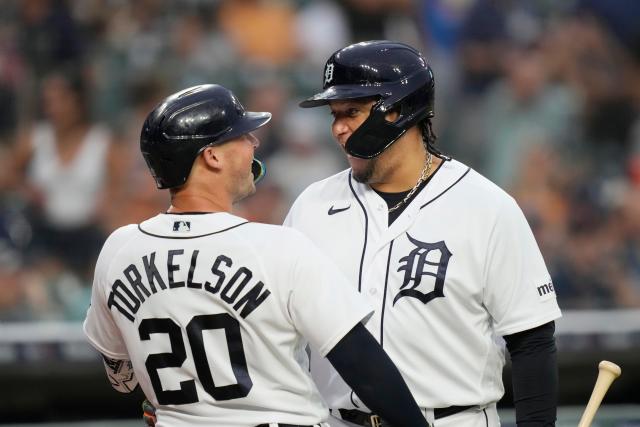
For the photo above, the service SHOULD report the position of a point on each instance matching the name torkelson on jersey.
(227, 281)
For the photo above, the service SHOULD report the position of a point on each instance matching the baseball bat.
(607, 373)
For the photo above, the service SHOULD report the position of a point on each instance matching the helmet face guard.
(373, 136)
(394, 73)
(185, 123)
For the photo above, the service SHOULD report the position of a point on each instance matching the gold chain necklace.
(424, 175)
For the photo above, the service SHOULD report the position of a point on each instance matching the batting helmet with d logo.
(394, 73)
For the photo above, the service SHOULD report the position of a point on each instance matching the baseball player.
(445, 256)
(211, 314)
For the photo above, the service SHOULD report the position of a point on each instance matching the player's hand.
(149, 414)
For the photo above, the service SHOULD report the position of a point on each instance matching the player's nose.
(340, 131)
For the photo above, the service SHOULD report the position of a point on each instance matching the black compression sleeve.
(364, 365)
(534, 375)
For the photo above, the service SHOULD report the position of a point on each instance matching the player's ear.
(212, 157)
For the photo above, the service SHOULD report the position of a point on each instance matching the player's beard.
(363, 173)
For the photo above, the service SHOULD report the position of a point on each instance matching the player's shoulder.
(277, 243)
(114, 243)
(121, 233)
(326, 189)
(479, 188)
(475, 196)
(278, 236)
(329, 185)
(119, 237)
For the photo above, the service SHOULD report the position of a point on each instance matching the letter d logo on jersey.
(414, 266)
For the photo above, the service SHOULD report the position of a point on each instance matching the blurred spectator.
(632, 82)
(62, 166)
(11, 71)
(321, 29)
(467, 43)
(49, 36)
(370, 19)
(585, 57)
(196, 55)
(522, 111)
(261, 31)
(626, 238)
(266, 90)
(137, 197)
(12, 307)
(441, 23)
(540, 189)
(483, 37)
(14, 235)
(619, 16)
(133, 42)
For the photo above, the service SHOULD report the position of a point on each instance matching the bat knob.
(611, 367)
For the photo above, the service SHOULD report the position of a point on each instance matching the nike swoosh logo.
(333, 211)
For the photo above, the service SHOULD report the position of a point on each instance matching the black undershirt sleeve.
(534, 375)
(369, 371)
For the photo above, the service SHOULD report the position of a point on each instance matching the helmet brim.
(250, 122)
(342, 92)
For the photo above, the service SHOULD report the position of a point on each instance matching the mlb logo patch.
(182, 226)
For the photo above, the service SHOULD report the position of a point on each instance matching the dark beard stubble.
(364, 176)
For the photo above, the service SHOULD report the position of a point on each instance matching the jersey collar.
(450, 173)
(447, 176)
(190, 226)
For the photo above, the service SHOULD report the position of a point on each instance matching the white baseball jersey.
(213, 312)
(458, 268)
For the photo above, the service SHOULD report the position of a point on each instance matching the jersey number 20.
(187, 392)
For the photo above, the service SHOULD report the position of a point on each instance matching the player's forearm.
(120, 374)
(367, 369)
(534, 376)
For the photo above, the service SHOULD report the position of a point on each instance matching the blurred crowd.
(542, 97)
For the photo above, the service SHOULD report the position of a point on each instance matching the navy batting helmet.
(394, 73)
(178, 129)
